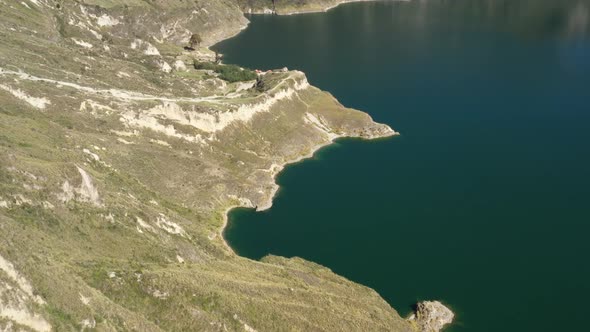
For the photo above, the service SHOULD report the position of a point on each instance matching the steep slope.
(118, 162)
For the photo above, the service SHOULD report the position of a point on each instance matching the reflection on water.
(564, 18)
(579, 18)
(528, 18)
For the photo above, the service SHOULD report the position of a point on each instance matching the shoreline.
(315, 11)
(275, 188)
(269, 201)
(232, 35)
(428, 315)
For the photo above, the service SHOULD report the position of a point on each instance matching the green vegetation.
(230, 73)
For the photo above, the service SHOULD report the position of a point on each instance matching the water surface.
(484, 201)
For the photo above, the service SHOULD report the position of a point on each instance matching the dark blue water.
(484, 201)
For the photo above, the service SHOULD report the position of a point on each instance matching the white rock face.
(248, 328)
(85, 300)
(82, 43)
(318, 123)
(165, 67)
(39, 103)
(87, 190)
(22, 283)
(106, 21)
(169, 226)
(143, 225)
(432, 316)
(148, 48)
(179, 65)
(88, 323)
(92, 154)
(16, 293)
(209, 123)
(86, 193)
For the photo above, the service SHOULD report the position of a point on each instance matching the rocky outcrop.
(431, 316)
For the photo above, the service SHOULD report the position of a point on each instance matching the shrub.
(233, 73)
(195, 41)
(205, 66)
(230, 73)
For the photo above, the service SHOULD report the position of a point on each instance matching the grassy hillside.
(118, 161)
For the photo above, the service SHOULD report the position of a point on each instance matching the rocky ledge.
(431, 316)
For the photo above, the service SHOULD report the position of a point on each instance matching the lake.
(483, 202)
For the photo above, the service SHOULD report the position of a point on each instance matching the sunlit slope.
(118, 161)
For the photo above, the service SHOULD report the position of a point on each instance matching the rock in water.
(432, 316)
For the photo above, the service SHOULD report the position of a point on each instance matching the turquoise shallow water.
(484, 201)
